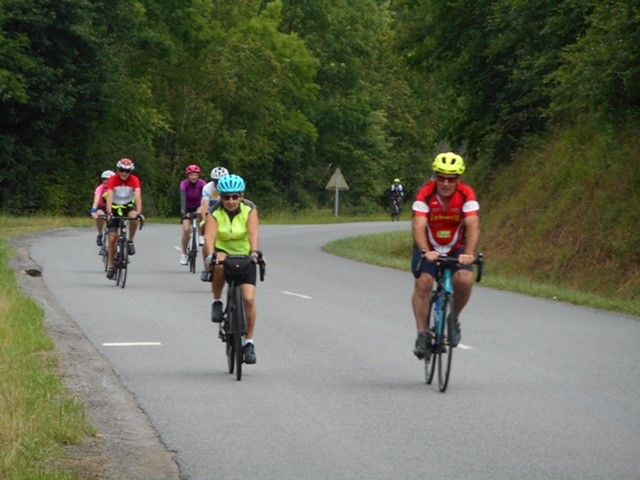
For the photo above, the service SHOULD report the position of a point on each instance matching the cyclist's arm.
(94, 205)
(253, 228)
(210, 234)
(183, 201)
(109, 201)
(419, 226)
(472, 237)
(137, 195)
(206, 199)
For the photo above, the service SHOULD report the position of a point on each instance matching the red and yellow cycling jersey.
(445, 228)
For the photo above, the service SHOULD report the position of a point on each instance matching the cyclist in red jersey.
(124, 196)
(445, 221)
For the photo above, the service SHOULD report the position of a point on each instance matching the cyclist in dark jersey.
(190, 198)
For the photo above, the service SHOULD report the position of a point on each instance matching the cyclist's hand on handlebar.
(431, 255)
(256, 256)
(215, 259)
(464, 259)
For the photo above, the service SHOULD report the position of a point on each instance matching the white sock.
(248, 340)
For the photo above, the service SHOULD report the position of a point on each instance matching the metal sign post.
(337, 183)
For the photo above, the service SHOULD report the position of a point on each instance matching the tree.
(52, 78)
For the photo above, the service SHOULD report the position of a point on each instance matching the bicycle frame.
(444, 292)
(192, 249)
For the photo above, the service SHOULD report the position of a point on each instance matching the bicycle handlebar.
(453, 261)
(140, 218)
(262, 265)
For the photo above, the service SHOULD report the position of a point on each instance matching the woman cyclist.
(233, 229)
(190, 196)
(98, 208)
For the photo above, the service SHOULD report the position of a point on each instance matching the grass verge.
(394, 250)
(37, 415)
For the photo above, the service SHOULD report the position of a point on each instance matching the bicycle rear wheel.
(445, 356)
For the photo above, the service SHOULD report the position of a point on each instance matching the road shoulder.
(126, 444)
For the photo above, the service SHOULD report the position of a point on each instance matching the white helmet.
(106, 174)
(218, 172)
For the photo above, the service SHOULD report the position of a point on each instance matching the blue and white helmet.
(106, 174)
(231, 184)
(218, 172)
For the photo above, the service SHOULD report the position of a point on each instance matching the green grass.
(394, 250)
(321, 216)
(37, 415)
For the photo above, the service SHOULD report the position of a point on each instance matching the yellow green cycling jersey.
(233, 233)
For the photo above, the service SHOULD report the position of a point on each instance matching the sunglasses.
(235, 196)
(443, 179)
(124, 171)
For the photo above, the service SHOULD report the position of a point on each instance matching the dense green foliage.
(284, 91)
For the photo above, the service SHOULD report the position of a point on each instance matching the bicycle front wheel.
(446, 352)
(239, 328)
(231, 352)
(239, 355)
(124, 264)
(193, 252)
(430, 357)
(117, 264)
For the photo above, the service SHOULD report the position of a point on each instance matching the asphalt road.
(541, 390)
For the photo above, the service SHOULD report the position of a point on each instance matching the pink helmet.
(192, 169)
(126, 165)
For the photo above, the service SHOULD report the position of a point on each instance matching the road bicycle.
(121, 260)
(234, 321)
(442, 320)
(396, 209)
(192, 246)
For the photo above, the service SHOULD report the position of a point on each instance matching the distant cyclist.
(99, 206)
(190, 199)
(396, 196)
(124, 199)
(396, 192)
(233, 229)
(445, 221)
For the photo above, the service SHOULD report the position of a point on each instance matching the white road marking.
(297, 295)
(464, 347)
(132, 344)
